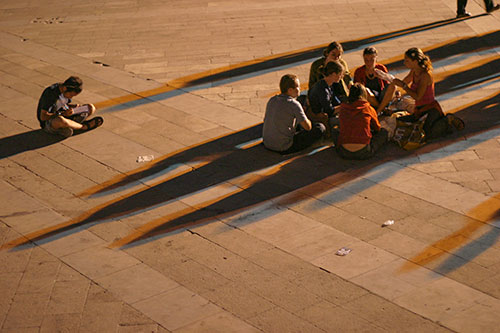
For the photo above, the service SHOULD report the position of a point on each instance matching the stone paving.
(217, 234)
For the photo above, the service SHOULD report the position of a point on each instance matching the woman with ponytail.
(419, 84)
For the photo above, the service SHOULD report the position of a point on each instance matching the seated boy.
(322, 96)
(57, 116)
(283, 117)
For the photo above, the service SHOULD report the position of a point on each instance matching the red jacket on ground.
(357, 120)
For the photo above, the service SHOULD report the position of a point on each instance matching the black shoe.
(455, 122)
(464, 14)
(492, 9)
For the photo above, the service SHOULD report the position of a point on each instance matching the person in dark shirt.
(57, 115)
(322, 98)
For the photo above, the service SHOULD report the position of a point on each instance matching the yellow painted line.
(484, 213)
(473, 103)
(190, 80)
(148, 230)
(135, 173)
(170, 86)
(438, 45)
(475, 64)
(437, 77)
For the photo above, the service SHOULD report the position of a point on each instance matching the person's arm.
(405, 83)
(358, 75)
(47, 102)
(313, 73)
(301, 117)
(326, 102)
(318, 117)
(45, 115)
(425, 81)
(374, 123)
(408, 78)
(306, 124)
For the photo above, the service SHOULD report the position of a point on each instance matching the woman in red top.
(360, 132)
(419, 84)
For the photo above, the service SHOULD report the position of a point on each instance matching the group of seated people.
(347, 109)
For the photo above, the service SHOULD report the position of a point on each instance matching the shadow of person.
(18, 143)
(279, 175)
(234, 156)
(209, 151)
(227, 161)
(324, 166)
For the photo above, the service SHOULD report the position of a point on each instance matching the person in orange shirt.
(360, 135)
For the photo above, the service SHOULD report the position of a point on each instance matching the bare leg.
(389, 94)
(373, 101)
(91, 109)
(61, 122)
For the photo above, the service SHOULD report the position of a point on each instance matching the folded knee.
(91, 109)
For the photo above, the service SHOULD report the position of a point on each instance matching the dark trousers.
(303, 139)
(435, 126)
(462, 3)
(377, 141)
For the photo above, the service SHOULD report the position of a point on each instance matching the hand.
(399, 83)
(68, 112)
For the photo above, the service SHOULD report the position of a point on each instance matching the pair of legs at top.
(461, 12)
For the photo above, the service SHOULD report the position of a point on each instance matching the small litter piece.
(387, 223)
(343, 251)
(145, 158)
(100, 63)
